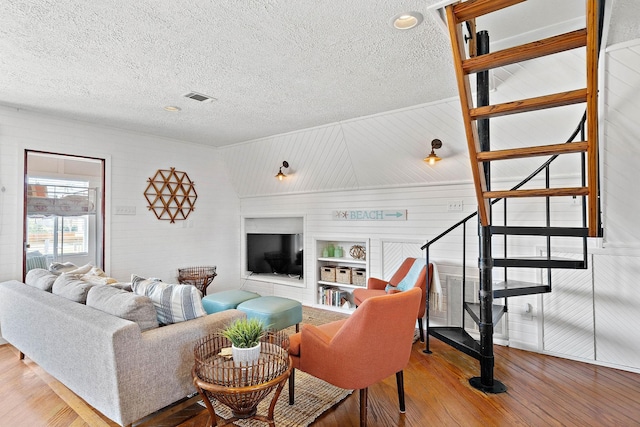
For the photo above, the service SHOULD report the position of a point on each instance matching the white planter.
(245, 356)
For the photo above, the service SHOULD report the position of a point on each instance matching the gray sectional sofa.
(108, 361)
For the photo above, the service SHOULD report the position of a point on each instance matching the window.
(56, 235)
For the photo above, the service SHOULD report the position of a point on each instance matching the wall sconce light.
(432, 158)
(280, 175)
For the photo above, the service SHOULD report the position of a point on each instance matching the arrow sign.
(370, 215)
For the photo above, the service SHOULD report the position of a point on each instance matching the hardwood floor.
(542, 391)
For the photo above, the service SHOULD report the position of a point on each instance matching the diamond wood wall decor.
(171, 195)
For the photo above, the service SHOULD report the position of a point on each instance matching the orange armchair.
(372, 344)
(376, 287)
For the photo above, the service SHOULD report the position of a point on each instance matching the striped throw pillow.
(173, 303)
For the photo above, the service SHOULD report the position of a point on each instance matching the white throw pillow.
(173, 303)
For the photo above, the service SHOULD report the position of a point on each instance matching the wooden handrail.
(466, 104)
(593, 38)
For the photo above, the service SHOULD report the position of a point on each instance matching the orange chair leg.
(400, 382)
(363, 407)
(292, 378)
(421, 326)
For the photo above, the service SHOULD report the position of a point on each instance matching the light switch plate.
(125, 210)
(454, 205)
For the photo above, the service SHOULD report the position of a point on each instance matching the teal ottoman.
(275, 312)
(226, 300)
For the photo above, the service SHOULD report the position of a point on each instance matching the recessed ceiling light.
(406, 20)
(172, 108)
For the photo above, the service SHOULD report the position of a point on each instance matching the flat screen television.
(271, 253)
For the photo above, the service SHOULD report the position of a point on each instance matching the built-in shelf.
(342, 285)
(343, 260)
(335, 292)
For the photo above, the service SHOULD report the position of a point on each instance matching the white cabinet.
(337, 276)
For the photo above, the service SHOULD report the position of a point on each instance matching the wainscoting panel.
(617, 302)
(620, 152)
(395, 252)
(568, 326)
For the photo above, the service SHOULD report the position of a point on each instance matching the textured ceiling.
(274, 66)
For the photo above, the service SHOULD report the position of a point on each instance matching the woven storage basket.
(328, 273)
(343, 275)
(358, 276)
(200, 277)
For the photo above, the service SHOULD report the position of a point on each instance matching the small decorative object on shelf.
(358, 252)
(338, 251)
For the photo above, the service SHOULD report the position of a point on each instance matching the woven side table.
(241, 388)
(200, 277)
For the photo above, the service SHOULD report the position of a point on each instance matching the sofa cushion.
(40, 278)
(126, 305)
(174, 303)
(71, 286)
(62, 267)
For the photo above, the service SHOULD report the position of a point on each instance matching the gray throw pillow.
(40, 278)
(123, 304)
(71, 286)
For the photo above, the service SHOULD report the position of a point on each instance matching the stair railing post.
(427, 350)
(486, 381)
(486, 258)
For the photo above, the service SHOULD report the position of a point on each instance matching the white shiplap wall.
(386, 150)
(138, 243)
(621, 146)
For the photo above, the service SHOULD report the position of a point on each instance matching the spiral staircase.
(471, 56)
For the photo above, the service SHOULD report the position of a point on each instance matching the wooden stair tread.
(543, 150)
(537, 192)
(525, 52)
(472, 9)
(530, 104)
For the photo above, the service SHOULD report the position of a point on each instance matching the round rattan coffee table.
(242, 387)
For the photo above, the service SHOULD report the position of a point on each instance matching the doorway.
(64, 210)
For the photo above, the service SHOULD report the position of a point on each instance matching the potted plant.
(245, 335)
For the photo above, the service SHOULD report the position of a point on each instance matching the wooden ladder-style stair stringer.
(461, 12)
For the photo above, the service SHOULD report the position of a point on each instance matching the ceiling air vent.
(199, 97)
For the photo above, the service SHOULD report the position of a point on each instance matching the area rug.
(313, 397)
